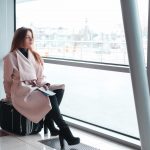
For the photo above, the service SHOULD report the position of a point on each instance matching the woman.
(23, 75)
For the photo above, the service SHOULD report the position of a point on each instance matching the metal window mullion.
(148, 46)
(137, 69)
(108, 67)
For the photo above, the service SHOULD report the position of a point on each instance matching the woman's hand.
(33, 83)
(47, 86)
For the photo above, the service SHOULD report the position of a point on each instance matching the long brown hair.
(18, 39)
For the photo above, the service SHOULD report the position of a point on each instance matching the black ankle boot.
(65, 134)
(50, 125)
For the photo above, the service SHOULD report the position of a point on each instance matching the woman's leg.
(65, 132)
(59, 95)
(55, 113)
(53, 130)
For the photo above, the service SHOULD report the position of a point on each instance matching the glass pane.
(82, 30)
(143, 14)
(104, 98)
(76, 29)
(92, 31)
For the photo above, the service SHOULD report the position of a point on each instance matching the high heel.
(65, 134)
(45, 129)
(61, 140)
(50, 125)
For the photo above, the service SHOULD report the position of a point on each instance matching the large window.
(86, 31)
(76, 29)
(103, 98)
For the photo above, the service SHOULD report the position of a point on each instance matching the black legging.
(55, 113)
(59, 94)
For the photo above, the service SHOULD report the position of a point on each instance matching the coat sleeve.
(41, 78)
(7, 76)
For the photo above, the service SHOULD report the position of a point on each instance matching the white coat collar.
(26, 66)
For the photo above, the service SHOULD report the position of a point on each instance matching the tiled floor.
(31, 142)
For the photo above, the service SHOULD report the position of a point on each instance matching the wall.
(6, 34)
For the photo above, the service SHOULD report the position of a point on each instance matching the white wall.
(6, 34)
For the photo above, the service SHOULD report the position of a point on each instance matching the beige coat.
(19, 73)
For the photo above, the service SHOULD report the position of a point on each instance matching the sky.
(102, 15)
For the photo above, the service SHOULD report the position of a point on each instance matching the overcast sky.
(102, 15)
